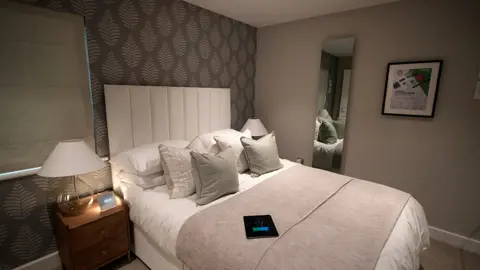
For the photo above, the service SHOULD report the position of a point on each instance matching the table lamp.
(256, 127)
(69, 159)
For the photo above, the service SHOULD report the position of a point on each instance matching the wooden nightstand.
(94, 238)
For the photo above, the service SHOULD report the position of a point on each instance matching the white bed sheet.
(161, 219)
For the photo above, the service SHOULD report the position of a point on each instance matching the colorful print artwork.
(411, 88)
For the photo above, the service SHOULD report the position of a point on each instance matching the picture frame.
(411, 88)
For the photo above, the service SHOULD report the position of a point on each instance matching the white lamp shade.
(70, 158)
(255, 126)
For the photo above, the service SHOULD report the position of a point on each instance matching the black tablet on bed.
(259, 226)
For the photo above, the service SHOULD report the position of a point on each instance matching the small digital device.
(259, 226)
(106, 201)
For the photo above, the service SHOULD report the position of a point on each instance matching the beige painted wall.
(437, 160)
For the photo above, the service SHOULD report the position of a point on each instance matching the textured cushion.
(234, 142)
(216, 175)
(262, 154)
(145, 182)
(327, 133)
(178, 171)
(144, 160)
(206, 144)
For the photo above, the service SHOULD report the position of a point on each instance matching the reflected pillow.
(317, 129)
(327, 133)
(324, 115)
(339, 128)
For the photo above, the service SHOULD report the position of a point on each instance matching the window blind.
(44, 89)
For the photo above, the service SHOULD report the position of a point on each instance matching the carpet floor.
(439, 256)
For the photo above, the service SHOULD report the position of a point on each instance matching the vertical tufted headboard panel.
(138, 115)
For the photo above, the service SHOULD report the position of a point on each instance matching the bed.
(140, 115)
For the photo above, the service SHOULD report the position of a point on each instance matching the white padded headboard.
(138, 115)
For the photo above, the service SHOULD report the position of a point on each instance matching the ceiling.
(339, 46)
(268, 12)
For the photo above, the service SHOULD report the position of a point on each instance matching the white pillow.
(206, 144)
(178, 171)
(145, 182)
(234, 142)
(145, 159)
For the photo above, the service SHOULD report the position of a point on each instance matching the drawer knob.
(102, 232)
(104, 252)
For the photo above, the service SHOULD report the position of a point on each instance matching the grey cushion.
(327, 133)
(234, 142)
(216, 175)
(262, 154)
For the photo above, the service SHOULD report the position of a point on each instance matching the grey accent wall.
(436, 159)
(139, 42)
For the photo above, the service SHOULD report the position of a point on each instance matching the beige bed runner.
(325, 221)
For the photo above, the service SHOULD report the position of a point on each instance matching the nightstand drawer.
(93, 238)
(96, 255)
(91, 234)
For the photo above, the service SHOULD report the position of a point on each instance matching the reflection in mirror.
(332, 103)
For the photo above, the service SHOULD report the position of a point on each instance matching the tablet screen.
(259, 226)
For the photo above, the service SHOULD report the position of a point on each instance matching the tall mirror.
(332, 103)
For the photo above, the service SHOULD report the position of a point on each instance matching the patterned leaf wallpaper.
(26, 214)
(163, 42)
(139, 42)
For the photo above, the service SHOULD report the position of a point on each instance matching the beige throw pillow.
(206, 144)
(216, 175)
(262, 154)
(178, 171)
(234, 142)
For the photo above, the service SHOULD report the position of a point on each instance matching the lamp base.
(76, 198)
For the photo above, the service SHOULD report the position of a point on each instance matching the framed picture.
(411, 88)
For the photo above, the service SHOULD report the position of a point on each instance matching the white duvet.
(161, 219)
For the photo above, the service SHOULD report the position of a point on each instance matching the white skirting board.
(455, 240)
(52, 260)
